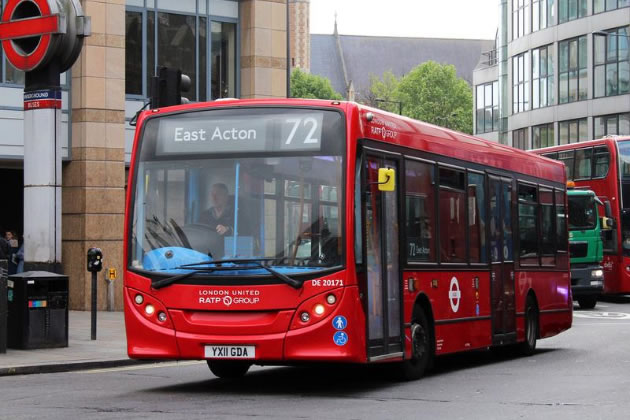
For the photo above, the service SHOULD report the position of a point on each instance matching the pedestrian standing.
(4, 246)
(11, 238)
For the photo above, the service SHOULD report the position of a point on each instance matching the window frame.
(607, 62)
(570, 69)
(197, 15)
(548, 77)
(549, 128)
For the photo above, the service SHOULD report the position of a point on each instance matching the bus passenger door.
(383, 270)
(502, 261)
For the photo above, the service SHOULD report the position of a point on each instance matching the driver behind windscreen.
(220, 217)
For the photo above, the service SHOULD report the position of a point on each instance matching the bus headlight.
(149, 309)
(597, 273)
(319, 309)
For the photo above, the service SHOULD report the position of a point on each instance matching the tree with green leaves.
(310, 86)
(431, 92)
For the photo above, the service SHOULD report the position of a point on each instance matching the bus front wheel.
(228, 369)
(421, 350)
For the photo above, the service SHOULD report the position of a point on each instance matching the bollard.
(94, 265)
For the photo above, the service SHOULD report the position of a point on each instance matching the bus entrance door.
(502, 258)
(383, 271)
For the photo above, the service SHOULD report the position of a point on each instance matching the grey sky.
(475, 19)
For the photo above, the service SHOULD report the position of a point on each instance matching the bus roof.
(407, 132)
(582, 144)
(445, 142)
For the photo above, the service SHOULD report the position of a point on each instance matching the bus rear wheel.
(528, 347)
(228, 369)
(587, 302)
(421, 350)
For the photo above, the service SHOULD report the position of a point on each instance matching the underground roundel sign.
(34, 32)
(454, 294)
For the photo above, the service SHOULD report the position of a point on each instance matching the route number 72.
(306, 123)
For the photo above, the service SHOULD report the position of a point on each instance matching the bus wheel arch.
(422, 342)
(422, 304)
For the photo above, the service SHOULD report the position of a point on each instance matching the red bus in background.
(604, 166)
(285, 231)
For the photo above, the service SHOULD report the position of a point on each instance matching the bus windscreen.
(263, 185)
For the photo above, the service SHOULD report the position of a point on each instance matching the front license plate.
(230, 352)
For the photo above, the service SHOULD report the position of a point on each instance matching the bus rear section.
(603, 166)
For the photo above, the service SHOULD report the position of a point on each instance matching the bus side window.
(601, 161)
(568, 159)
(477, 218)
(420, 211)
(528, 224)
(583, 163)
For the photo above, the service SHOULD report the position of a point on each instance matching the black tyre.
(421, 350)
(228, 369)
(528, 347)
(587, 302)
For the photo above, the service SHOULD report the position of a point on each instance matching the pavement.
(108, 350)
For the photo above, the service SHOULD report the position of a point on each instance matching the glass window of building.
(196, 36)
(573, 131)
(542, 77)
(573, 73)
(520, 139)
(223, 59)
(520, 85)
(571, 10)
(543, 136)
(487, 107)
(612, 63)
(543, 14)
(600, 6)
(520, 18)
(609, 125)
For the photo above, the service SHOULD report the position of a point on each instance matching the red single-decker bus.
(282, 231)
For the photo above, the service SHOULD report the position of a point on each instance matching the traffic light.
(94, 260)
(167, 87)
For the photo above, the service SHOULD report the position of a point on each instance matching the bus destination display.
(237, 133)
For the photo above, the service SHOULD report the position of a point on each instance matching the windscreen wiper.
(158, 284)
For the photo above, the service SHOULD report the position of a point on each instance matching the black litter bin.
(38, 310)
(3, 306)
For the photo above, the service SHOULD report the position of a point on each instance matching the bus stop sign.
(36, 32)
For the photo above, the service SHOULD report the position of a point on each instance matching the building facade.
(559, 73)
(229, 48)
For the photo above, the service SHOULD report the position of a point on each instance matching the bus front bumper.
(192, 335)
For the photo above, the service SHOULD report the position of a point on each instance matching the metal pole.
(94, 305)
